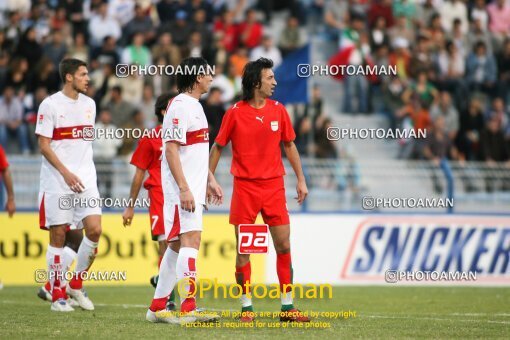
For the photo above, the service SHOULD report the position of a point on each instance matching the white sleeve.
(45, 120)
(175, 124)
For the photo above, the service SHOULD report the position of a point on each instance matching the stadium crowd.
(452, 58)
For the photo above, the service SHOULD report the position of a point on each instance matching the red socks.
(243, 276)
(284, 270)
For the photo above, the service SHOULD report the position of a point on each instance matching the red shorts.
(252, 196)
(156, 214)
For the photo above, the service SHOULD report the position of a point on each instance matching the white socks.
(167, 274)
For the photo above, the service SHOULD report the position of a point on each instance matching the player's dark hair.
(162, 103)
(252, 76)
(185, 79)
(69, 66)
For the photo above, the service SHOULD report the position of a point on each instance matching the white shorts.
(178, 221)
(63, 209)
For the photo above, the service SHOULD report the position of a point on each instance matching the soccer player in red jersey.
(147, 157)
(5, 176)
(256, 126)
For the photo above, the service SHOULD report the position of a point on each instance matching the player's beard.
(77, 89)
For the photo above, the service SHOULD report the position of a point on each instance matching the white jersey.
(186, 123)
(69, 123)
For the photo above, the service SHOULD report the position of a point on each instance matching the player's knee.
(242, 260)
(94, 232)
(282, 247)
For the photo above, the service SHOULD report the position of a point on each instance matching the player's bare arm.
(174, 163)
(214, 190)
(136, 184)
(293, 156)
(214, 157)
(71, 179)
(10, 206)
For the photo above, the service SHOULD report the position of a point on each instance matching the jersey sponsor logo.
(260, 118)
(198, 136)
(274, 125)
(41, 118)
(175, 121)
(428, 245)
(253, 238)
(85, 132)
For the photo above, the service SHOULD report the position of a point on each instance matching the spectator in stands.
(290, 39)
(445, 109)
(401, 58)
(195, 47)
(180, 29)
(18, 74)
(380, 9)
(165, 48)
(121, 111)
(503, 62)
(471, 126)
(336, 14)
(458, 38)
(436, 149)
(499, 23)
(56, 49)
(450, 75)
(79, 50)
(414, 115)
(267, 50)
(451, 10)
(424, 14)
(46, 76)
(406, 9)
(498, 111)
(325, 148)
(146, 105)
(105, 150)
(136, 53)
(142, 24)
(102, 25)
(250, 31)
(493, 150)
(29, 48)
(106, 53)
(356, 86)
(378, 34)
(214, 111)
(392, 99)
(226, 31)
(478, 12)
(476, 34)
(160, 82)
(422, 59)
(134, 121)
(425, 90)
(481, 70)
(11, 120)
(224, 85)
(304, 135)
(436, 33)
(401, 31)
(239, 59)
(200, 25)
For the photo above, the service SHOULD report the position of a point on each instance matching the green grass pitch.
(381, 312)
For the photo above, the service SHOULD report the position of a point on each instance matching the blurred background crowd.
(452, 58)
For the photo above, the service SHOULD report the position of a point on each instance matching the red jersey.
(147, 156)
(256, 135)
(3, 160)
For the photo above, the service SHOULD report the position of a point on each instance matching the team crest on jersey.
(274, 125)
(175, 121)
(41, 118)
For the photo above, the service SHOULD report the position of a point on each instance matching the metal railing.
(334, 185)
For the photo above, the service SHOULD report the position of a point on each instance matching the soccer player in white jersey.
(187, 183)
(64, 121)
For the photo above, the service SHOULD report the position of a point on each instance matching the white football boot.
(61, 305)
(81, 297)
